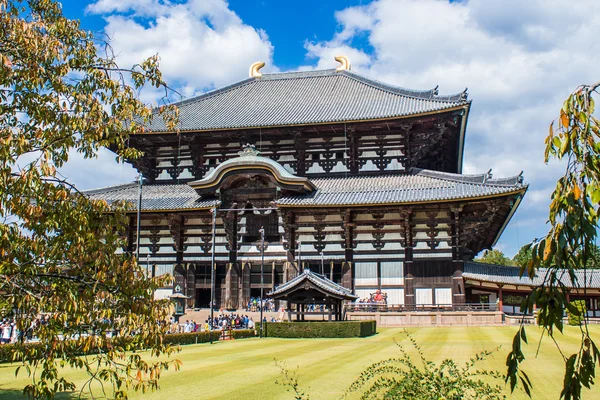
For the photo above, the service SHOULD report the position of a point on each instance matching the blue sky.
(520, 60)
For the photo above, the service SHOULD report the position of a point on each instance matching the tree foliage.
(523, 257)
(401, 378)
(570, 243)
(62, 91)
(495, 256)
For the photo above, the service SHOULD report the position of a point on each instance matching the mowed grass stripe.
(245, 369)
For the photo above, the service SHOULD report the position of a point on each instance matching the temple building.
(354, 179)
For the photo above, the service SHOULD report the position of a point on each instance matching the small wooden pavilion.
(310, 288)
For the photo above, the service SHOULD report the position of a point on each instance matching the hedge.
(338, 329)
(577, 318)
(7, 350)
(191, 337)
(242, 333)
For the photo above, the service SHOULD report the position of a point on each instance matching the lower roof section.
(418, 186)
(505, 275)
(161, 197)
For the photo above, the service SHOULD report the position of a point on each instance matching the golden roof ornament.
(254, 69)
(345, 63)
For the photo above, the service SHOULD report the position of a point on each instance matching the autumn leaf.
(564, 119)
(576, 192)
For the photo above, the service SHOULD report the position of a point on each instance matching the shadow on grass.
(13, 394)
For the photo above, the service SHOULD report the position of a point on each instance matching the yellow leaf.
(576, 192)
(547, 249)
(564, 119)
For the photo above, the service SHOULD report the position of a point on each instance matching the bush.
(576, 313)
(341, 329)
(191, 337)
(402, 378)
(242, 333)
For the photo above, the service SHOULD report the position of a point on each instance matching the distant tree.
(571, 242)
(523, 257)
(495, 256)
(62, 92)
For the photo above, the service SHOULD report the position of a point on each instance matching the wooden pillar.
(331, 265)
(244, 285)
(190, 284)
(347, 270)
(353, 157)
(231, 287)
(458, 283)
(289, 310)
(409, 288)
(329, 309)
(500, 298)
(131, 232)
(273, 275)
(300, 145)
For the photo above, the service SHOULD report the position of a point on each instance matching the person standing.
(6, 331)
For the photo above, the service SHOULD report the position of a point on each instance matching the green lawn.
(245, 369)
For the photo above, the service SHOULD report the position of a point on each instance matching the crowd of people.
(374, 299)
(9, 333)
(221, 322)
(255, 304)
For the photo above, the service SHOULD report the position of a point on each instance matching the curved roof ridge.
(211, 93)
(482, 179)
(108, 188)
(311, 73)
(428, 94)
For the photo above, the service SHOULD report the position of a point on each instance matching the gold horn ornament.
(345, 63)
(254, 69)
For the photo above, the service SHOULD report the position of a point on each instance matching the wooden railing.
(378, 307)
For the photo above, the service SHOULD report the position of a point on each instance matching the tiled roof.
(308, 97)
(510, 276)
(317, 279)
(154, 197)
(418, 186)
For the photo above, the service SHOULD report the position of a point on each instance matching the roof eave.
(510, 215)
(461, 139)
(340, 122)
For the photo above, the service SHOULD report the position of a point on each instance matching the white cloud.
(519, 59)
(202, 44)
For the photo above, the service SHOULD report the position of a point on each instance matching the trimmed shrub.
(321, 329)
(242, 333)
(577, 318)
(191, 337)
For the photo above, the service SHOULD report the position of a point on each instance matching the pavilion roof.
(507, 275)
(304, 98)
(322, 282)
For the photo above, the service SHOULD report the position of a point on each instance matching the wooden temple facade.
(353, 178)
